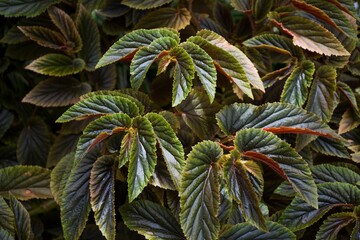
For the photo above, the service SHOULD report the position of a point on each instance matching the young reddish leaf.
(55, 92)
(57, 65)
(311, 36)
(151, 220)
(296, 86)
(295, 169)
(126, 47)
(200, 192)
(27, 8)
(25, 182)
(102, 194)
(90, 36)
(145, 4)
(45, 37)
(299, 215)
(143, 59)
(67, 27)
(165, 17)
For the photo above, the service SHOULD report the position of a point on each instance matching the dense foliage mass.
(179, 119)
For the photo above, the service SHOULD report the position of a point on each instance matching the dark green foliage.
(164, 119)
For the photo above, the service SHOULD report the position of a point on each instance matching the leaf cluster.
(164, 119)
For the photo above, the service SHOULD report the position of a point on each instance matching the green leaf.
(67, 27)
(321, 99)
(299, 215)
(184, 73)
(242, 190)
(22, 219)
(27, 8)
(143, 59)
(204, 67)
(128, 45)
(251, 72)
(333, 224)
(330, 146)
(170, 145)
(245, 231)
(142, 156)
(322, 94)
(337, 15)
(99, 105)
(59, 176)
(273, 42)
(139, 103)
(241, 5)
(143, 98)
(200, 192)
(261, 9)
(151, 220)
(279, 155)
(102, 193)
(75, 202)
(6, 119)
(349, 121)
(63, 144)
(45, 37)
(25, 182)
(348, 93)
(90, 36)
(13, 36)
(311, 36)
(225, 63)
(56, 92)
(161, 177)
(296, 86)
(329, 173)
(165, 17)
(105, 78)
(54, 64)
(5, 234)
(198, 114)
(100, 129)
(145, 4)
(34, 143)
(7, 218)
(273, 117)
